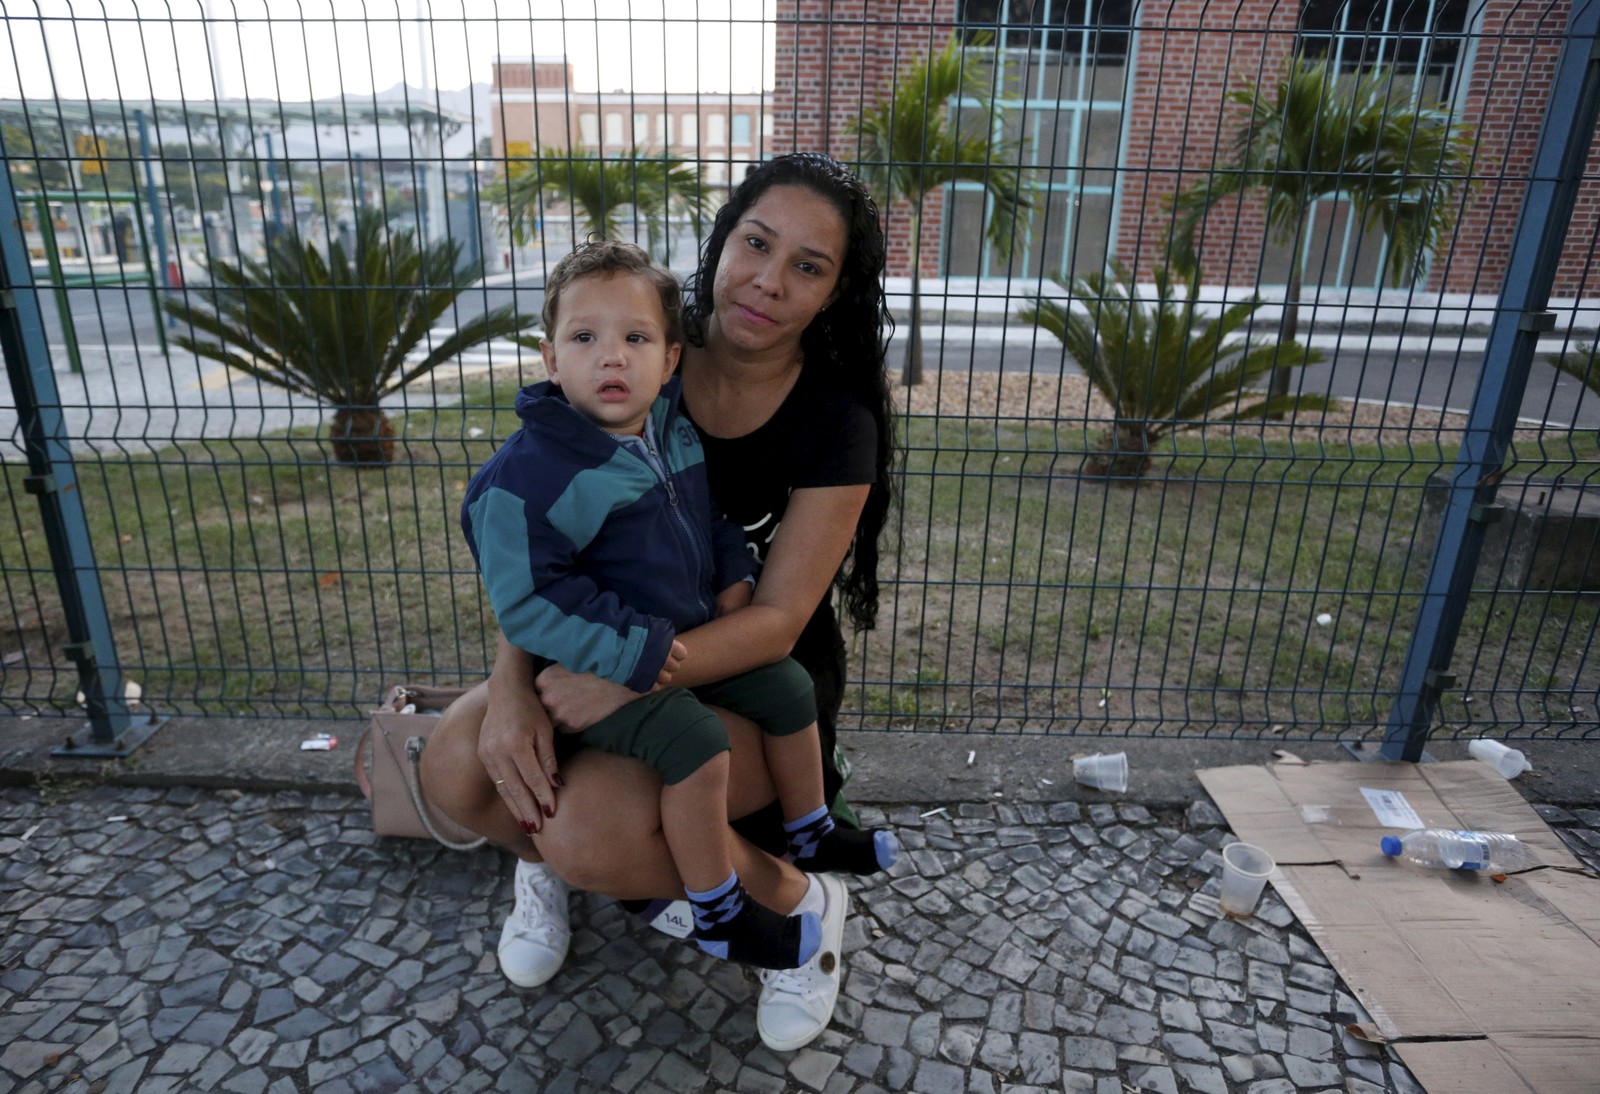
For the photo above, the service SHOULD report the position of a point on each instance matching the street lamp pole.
(272, 184)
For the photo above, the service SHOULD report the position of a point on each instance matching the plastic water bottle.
(1459, 849)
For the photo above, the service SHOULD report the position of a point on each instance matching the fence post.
(162, 278)
(1520, 317)
(113, 730)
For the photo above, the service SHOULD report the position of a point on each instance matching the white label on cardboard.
(1392, 808)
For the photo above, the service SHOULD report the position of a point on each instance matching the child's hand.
(734, 597)
(674, 658)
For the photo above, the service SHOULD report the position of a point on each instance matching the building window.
(1424, 43)
(614, 129)
(688, 129)
(716, 130)
(641, 130)
(1060, 70)
(664, 129)
(588, 129)
(1100, 29)
(741, 129)
(1423, 39)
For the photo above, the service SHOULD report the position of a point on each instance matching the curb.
(889, 766)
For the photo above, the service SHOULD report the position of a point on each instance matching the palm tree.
(1315, 135)
(339, 328)
(600, 189)
(914, 140)
(1159, 373)
(1582, 364)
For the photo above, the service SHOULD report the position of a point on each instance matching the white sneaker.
(534, 941)
(796, 1005)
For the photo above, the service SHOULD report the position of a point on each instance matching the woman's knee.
(575, 858)
(607, 819)
(452, 774)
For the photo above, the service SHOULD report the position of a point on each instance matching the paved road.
(1444, 375)
(160, 941)
(1438, 373)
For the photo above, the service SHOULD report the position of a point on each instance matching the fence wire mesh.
(1195, 298)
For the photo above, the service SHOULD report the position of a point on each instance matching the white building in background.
(534, 105)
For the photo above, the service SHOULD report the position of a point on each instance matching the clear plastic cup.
(1507, 761)
(1103, 771)
(1245, 868)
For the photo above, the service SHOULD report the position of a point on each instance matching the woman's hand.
(516, 743)
(576, 701)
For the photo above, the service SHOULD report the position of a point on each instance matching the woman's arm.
(811, 543)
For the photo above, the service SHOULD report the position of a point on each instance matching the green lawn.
(257, 576)
(1027, 597)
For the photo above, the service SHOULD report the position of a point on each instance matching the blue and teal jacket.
(597, 551)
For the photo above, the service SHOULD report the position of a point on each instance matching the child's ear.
(674, 351)
(548, 352)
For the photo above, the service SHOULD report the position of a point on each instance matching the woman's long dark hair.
(847, 340)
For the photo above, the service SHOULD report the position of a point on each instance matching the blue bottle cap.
(1390, 845)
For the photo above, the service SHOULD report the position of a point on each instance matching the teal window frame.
(1041, 112)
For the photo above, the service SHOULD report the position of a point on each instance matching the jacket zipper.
(702, 561)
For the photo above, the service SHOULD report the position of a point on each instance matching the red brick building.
(1121, 103)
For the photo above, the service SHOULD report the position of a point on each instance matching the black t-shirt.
(819, 436)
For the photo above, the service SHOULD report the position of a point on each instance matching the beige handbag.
(394, 741)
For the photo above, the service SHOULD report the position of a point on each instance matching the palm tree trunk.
(1290, 325)
(362, 436)
(912, 373)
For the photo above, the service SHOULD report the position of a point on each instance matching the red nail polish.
(549, 810)
(558, 782)
(527, 826)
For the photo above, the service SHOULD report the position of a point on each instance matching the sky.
(140, 49)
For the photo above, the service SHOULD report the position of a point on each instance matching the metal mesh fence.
(1200, 298)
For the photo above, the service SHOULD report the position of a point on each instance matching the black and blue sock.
(730, 925)
(819, 846)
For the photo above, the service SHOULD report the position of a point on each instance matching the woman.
(783, 376)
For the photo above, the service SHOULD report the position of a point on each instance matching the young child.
(594, 530)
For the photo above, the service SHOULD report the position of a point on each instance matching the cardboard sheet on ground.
(1484, 986)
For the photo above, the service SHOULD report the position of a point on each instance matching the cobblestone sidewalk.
(186, 940)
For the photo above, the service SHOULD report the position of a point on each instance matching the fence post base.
(1373, 752)
(128, 733)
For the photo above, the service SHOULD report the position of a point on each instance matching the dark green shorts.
(674, 732)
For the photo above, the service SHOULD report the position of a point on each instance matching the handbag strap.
(414, 784)
(362, 747)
